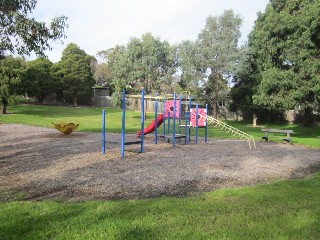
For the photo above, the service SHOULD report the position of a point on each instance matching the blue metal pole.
(156, 120)
(206, 133)
(142, 121)
(180, 104)
(186, 129)
(189, 109)
(168, 123)
(123, 129)
(164, 114)
(197, 117)
(103, 131)
(174, 120)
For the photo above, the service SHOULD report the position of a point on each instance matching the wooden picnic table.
(287, 132)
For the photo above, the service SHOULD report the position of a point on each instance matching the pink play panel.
(201, 120)
(169, 108)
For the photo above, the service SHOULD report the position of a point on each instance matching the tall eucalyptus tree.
(286, 45)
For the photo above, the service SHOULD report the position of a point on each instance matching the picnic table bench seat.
(288, 132)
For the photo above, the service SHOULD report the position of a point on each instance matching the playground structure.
(123, 128)
(65, 128)
(173, 110)
(195, 118)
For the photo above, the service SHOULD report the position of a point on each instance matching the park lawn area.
(90, 120)
(307, 136)
(282, 210)
(287, 209)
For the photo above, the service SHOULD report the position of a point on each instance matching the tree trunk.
(213, 105)
(42, 98)
(254, 120)
(75, 104)
(145, 109)
(4, 103)
(308, 117)
(215, 110)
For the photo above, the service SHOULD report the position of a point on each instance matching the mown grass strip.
(281, 210)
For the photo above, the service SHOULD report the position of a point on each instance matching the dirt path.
(42, 163)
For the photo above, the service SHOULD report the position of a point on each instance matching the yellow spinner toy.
(66, 128)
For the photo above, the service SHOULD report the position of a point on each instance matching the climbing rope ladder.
(229, 129)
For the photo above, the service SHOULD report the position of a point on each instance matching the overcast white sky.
(101, 24)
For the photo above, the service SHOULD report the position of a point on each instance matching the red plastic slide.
(152, 126)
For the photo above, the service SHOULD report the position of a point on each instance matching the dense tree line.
(281, 68)
(71, 78)
(75, 72)
(277, 70)
(11, 70)
(205, 64)
(208, 63)
(147, 63)
(22, 34)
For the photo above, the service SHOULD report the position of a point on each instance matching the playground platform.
(170, 136)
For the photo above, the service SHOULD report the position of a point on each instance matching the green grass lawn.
(90, 120)
(281, 210)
